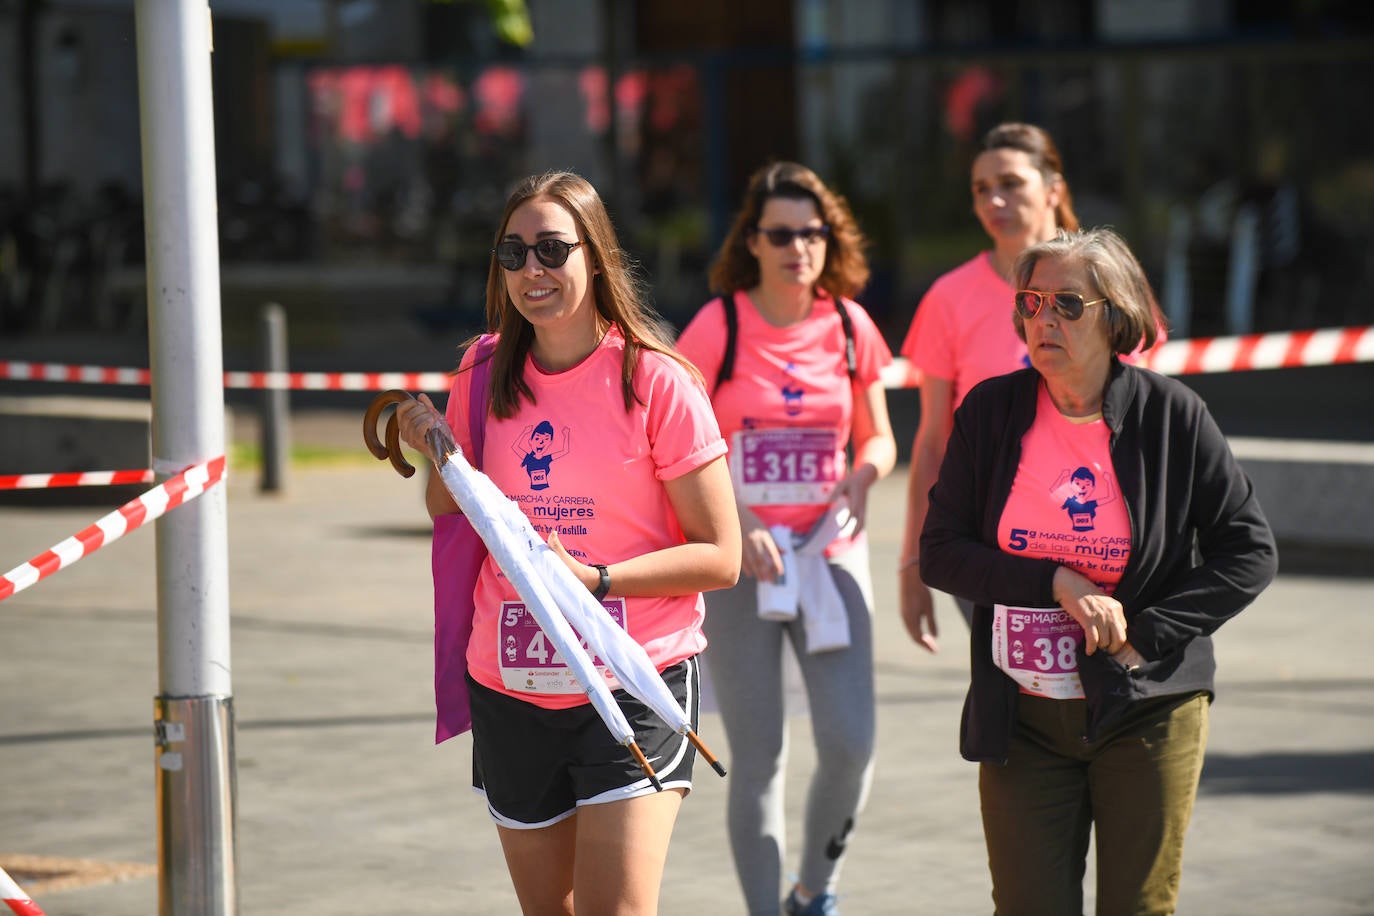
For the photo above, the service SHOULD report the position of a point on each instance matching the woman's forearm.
(679, 570)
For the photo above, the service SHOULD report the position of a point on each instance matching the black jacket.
(1201, 549)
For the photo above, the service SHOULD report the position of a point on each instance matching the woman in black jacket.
(1094, 514)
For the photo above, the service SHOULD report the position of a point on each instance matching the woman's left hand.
(585, 574)
(854, 487)
(1100, 615)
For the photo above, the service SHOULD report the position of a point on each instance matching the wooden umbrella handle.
(392, 448)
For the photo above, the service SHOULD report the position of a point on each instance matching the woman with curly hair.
(794, 364)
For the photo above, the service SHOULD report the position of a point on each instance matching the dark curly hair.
(846, 266)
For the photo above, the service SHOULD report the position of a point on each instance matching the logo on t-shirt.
(534, 447)
(1081, 500)
(791, 392)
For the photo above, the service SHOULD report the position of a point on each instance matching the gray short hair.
(1133, 316)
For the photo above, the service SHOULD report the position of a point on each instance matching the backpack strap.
(479, 396)
(727, 362)
(851, 359)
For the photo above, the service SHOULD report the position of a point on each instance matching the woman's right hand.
(1100, 615)
(759, 556)
(918, 608)
(416, 418)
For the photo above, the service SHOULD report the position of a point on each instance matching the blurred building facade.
(1226, 140)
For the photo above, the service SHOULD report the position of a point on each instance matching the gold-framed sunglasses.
(1067, 305)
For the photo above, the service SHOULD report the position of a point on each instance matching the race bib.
(530, 663)
(790, 467)
(1038, 648)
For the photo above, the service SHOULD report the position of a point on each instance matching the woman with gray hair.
(1095, 594)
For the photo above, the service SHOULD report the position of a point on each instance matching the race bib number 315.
(1038, 648)
(529, 660)
(784, 466)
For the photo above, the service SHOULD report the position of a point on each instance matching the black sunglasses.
(1067, 305)
(511, 253)
(781, 238)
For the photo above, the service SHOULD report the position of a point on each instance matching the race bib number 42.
(532, 664)
(794, 467)
(1038, 648)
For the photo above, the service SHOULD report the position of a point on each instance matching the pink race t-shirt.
(578, 461)
(963, 331)
(788, 408)
(1065, 504)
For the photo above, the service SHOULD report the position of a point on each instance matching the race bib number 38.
(1038, 648)
(794, 467)
(532, 664)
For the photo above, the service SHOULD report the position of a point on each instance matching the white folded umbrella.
(548, 587)
(560, 603)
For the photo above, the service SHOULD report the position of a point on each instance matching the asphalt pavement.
(344, 805)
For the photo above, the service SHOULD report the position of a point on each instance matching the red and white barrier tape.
(15, 898)
(1286, 349)
(161, 499)
(73, 479)
(299, 381)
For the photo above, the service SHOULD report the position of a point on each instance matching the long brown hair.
(846, 267)
(619, 295)
(1036, 143)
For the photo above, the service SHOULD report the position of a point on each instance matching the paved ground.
(344, 805)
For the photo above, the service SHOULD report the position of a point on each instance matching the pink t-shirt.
(1065, 504)
(788, 409)
(963, 331)
(577, 460)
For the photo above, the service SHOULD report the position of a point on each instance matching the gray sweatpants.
(744, 656)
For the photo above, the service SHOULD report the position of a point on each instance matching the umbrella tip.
(644, 765)
(705, 752)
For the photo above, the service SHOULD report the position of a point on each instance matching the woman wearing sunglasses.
(1091, 649)
(961, 333)
(636, 501)
(801, 384)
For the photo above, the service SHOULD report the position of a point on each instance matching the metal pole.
(194, 707)
(1178, 302)
(274, 423)
(1243, 271)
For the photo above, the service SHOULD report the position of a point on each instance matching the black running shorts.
(536, 765)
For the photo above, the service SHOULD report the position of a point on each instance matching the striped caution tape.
(1283, 350)
(161, 499)
(299, 381)
(1287, 350)
(1280, 350)
(14, 897)
(74, 479)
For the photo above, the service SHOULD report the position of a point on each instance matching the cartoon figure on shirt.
(534, 447)
(510, 648)
(1080, 502)
(791, 393)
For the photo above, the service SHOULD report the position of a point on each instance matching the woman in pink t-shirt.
(796, 380)
(963, 332)
(605, 439)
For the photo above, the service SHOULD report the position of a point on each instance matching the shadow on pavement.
(1288, 773)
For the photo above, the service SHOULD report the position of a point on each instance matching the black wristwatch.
(604, 586)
